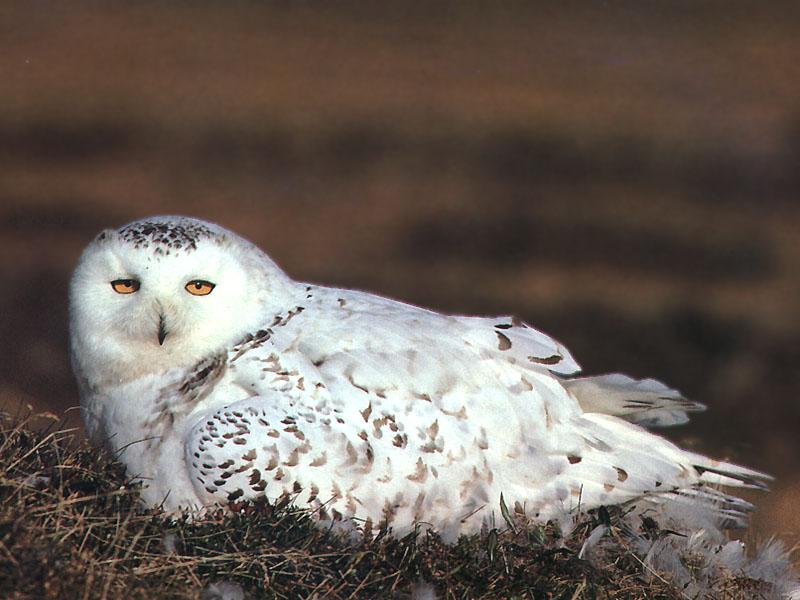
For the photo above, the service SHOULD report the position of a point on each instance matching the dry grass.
(71, 527)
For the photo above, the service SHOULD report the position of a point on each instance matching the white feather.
(646, 402)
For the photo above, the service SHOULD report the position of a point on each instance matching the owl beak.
(162, 329)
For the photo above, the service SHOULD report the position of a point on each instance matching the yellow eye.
(125, 286)
(198, 287)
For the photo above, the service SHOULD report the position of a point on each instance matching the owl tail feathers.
(635, 462)
(646, 402)
(722, 511)
(718, 472)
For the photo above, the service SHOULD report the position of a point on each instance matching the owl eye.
(199, 287)
(125, 286)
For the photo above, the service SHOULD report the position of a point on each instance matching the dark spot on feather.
(547, 360)
(294, 458)
(355, 385)
(320, 460)
(503, 343)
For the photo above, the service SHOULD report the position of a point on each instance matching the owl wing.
(381, 411)
(392, 412)
(349, 320)
(386, 335)
(508, 338)
(507, 372)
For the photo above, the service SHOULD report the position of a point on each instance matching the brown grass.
(71, 527)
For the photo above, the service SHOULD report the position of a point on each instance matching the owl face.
(147, 302)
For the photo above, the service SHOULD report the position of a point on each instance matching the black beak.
(162, 330)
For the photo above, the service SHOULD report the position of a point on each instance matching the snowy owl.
(218, 379)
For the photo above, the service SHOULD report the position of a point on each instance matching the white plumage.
(360, 406)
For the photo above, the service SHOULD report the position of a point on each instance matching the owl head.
(164, 292)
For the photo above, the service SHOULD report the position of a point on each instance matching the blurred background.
(624, 175)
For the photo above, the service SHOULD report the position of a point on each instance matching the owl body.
(368, 410)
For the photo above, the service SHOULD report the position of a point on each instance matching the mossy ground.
(71, 526)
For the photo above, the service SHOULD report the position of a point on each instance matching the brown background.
(622, 174)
